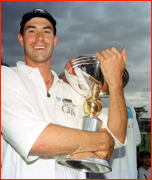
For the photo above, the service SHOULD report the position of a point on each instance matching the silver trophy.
(85, 76)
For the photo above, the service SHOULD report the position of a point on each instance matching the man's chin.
(41, 60)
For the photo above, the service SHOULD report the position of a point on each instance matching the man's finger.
(124, 55)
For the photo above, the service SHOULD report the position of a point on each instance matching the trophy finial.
(92, 105)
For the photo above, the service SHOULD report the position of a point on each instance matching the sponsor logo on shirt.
(58, 98)
(68, 107)
(82, 86)
(130, 125)
(130, 114)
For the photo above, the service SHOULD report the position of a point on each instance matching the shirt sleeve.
(104, 119)
(20, 126)
(137, 131)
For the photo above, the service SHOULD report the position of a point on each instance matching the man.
(42, 115)
(144, 141)
(124, 160)
(144, 172)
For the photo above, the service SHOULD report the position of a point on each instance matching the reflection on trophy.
(85, 76)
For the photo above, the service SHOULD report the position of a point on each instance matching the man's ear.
(55, 40)
(140, 160)
(20, 39)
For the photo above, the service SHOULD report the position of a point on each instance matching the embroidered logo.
(58, 98)
(68, 107)
(130, 115)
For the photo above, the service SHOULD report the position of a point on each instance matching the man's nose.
(39, 36)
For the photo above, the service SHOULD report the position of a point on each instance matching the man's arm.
(59, 140)
(112, 64)
(29, 135)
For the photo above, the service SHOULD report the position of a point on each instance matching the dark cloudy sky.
(84, 27)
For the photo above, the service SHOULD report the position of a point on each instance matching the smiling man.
(42, 115)
(144, 171)
(39, 40)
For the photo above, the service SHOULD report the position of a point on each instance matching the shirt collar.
(24, 68)
(27, 70)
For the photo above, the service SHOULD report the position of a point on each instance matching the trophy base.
(91, 165)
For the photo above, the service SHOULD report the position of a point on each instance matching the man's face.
(146, 160)
(38, 40)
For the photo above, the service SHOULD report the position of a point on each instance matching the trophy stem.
(91, 123)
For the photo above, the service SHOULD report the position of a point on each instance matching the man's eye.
(31, 31)
(47, 32)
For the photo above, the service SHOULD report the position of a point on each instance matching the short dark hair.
(37, 13)
(143, 153)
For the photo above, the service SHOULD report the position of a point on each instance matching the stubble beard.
(39, 57)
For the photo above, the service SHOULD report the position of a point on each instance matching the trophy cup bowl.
(88, 68)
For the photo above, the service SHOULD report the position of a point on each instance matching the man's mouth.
(39, 47)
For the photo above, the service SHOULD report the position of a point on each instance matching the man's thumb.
(124, 55)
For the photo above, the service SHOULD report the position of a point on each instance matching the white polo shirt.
(144, 173)
(25, 112)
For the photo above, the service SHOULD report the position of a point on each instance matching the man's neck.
(44, 68)
(145, 166)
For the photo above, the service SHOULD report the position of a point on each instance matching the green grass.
(148, 143)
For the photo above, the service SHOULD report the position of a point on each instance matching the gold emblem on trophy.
(92, 107)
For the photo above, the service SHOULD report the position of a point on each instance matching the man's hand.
(112, 64)
(105, 152)
(83, 155)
